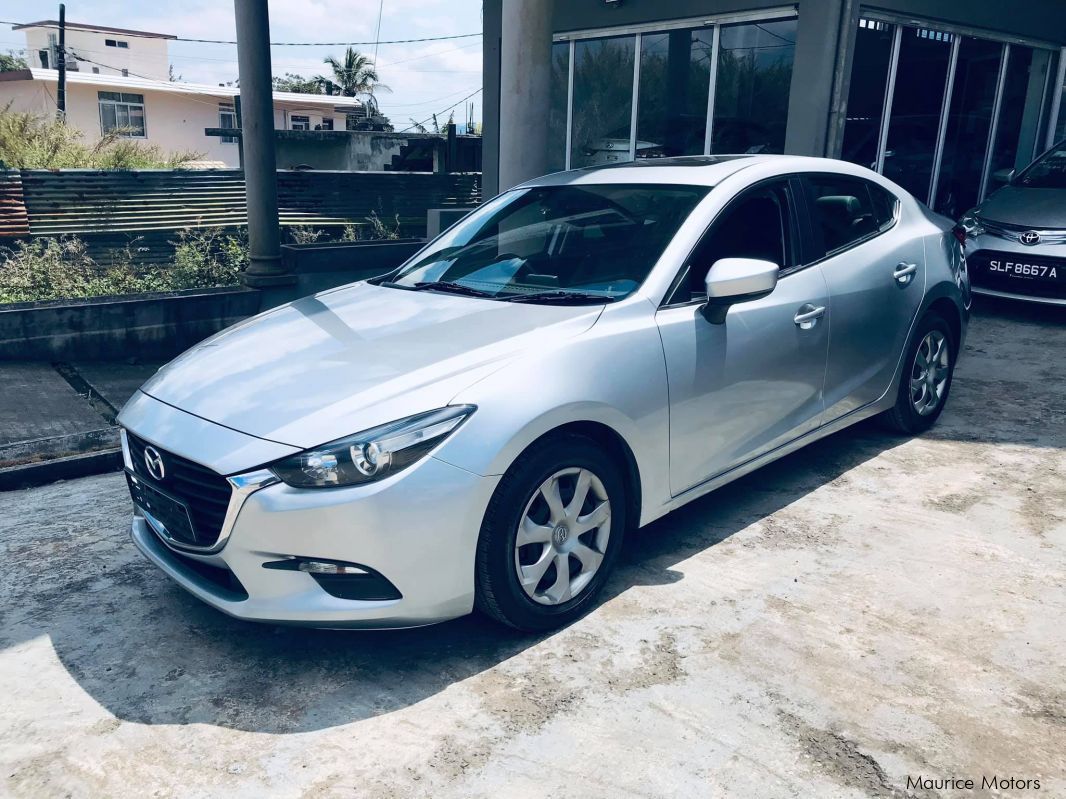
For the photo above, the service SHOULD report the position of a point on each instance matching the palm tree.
(355, 75)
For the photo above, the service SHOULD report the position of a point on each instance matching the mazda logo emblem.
(1030, 237)
(153, 461)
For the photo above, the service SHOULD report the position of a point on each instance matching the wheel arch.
(616, 447)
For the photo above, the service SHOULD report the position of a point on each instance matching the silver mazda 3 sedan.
(579, 356)
(1016, 239)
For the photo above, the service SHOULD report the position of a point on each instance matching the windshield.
(596, 243)
(1047, 172)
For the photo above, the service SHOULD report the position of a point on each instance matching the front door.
(741, 388)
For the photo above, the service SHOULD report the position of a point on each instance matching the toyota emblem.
(154, 463)
(1030, 237)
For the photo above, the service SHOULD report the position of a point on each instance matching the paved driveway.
(869, 610)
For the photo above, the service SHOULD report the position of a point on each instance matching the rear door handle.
(808, 315)
(904, 272)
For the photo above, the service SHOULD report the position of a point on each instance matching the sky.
(425, 78)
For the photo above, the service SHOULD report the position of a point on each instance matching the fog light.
(324, 567)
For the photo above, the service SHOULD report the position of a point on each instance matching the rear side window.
(848, 210)
(884, 205)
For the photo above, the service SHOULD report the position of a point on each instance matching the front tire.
(929, 365)
(551, 534)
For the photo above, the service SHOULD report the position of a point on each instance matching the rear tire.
(928, 367)
(569, 543)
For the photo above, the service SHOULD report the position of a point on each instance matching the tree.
(11, 61)
(354, 76)
(299, 84)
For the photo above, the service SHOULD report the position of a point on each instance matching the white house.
(119, 78)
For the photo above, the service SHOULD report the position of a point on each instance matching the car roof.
(694, 170)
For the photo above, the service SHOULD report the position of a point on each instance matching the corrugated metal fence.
(77, 201)
(144, 209)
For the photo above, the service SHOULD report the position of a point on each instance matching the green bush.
(61, 268)
(29, 141)
(208, 257)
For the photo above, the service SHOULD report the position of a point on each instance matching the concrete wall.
(354, 151)
(174, 122)
(144, 56)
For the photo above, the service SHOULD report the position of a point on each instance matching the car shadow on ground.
(149, 653)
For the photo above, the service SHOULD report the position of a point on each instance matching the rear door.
(744, 387)
(876, 278)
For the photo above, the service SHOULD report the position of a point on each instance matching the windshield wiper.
(561, 297)
(454, 288)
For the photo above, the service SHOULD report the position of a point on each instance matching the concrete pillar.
(491, 23)
(525, 90)
(257, 142)
(818, 56)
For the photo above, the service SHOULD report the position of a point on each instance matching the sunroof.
(684, 160)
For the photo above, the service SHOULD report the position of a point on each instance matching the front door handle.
(904, 272)
(808, 315)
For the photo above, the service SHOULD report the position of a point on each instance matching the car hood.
(1017, 205)
(335, 363)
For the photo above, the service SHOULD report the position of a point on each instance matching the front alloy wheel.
(550, 534)
(562, 537)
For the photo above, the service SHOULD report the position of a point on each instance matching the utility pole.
(61, 64)
(257, 143)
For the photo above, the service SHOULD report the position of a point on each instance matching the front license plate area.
(168, 511)
(1025, 269)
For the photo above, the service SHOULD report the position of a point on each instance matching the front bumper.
(1006, 281)
(418, 529)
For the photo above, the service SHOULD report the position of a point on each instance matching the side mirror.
(1003, 175)
(733, 280)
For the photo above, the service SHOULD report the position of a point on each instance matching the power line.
(284, 44)
(439, 113)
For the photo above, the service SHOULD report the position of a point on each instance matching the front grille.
(204, 492)
(1004, 230)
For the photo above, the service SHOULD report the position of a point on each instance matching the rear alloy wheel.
(926, 380)
(550, 535)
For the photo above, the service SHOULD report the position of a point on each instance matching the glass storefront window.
(866, 95)
(1016, 90)
(973, 97)
(675, 70)
(753, 84)
(603, 101)
(557, 110)
(916, 104)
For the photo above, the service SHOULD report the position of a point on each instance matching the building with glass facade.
(942, 96)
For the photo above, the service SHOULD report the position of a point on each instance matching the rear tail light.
(959, 232)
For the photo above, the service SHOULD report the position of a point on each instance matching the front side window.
(845, 212)
(122, 113)
(598, 241)
(758, 224)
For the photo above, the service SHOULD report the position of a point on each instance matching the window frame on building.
(227, 113)
(711, 23)
(126, 105)
(303, 120)
(1048, 114)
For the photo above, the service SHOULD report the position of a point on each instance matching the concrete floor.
(867, 610)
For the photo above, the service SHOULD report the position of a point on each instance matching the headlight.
(968, 226)
(372, 454)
